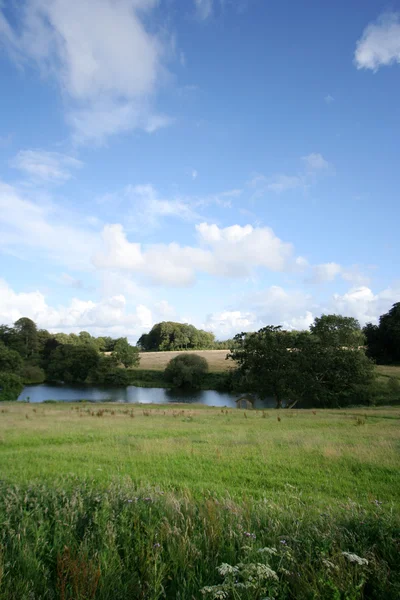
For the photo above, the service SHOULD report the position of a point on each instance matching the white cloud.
(314, 164)
(70, 281)
(50, 167)
(315, 161)
(233, 252)
(379, 44)
(204, 8)
(108, 72)
(29, 227)
(230, 322)
(194, 174)
(329, 99)
(325, 272)
(110, 316)
(142, 206)
(365, 305)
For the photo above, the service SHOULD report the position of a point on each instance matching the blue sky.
(228, 163)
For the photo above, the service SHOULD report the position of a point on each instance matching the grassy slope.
(326, 456)
(388, 371)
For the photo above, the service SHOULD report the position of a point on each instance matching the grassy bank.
(114, 502)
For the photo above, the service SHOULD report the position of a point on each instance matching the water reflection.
(131, 395)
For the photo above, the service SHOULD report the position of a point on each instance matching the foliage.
(11, 386)
(126, 354)
(186, 371)
(384, 339)
(77, 541)
(303, 367)
(10, 360)
(107, 372)
(336, 330)
(265, 363)
(72, 364)
(26, 336)
(31, 374)
(175, 336)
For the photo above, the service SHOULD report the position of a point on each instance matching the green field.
(114, 501)
(157, 361)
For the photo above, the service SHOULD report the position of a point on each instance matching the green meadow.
(114, 501)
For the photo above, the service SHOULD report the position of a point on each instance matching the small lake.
(131, 395)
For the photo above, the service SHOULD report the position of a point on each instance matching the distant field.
(388, 371)
(157, 361)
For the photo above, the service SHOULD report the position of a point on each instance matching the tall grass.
(77, 541)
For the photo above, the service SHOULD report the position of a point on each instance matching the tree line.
(30, 355)
(169, 335)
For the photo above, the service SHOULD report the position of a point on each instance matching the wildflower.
(267, 550)
(329, 564)
(377, 502)
(354, 558)
(157, 545)
(284, 542)
(249, 535)
(226, 569)
(129, 501)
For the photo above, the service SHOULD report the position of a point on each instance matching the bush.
(31, 374)
(10, 387)
(186, 371)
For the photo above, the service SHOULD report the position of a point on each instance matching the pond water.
(131, 394)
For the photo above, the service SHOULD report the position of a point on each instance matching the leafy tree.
(107, 372)
(265, 363)
(186, 371)
(72, 364)
(169, 335)
(10, 387)
(10, 360)
(26, 336)
(302, 368)
(125, 353)
(330, 375)
(389, 331)
(336, 330)
(31, 374)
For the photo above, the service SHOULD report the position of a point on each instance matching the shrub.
(10, 387)
(186, 371)
(31, 374)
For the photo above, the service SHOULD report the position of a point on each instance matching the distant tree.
(186, 371)
(31, 374)
(328, 376)
(10, 360)
(72, 364)
(85, 337)
(374, 341)
(169, 335)
(125, 353)
(10, 387)
(265, 364)
(26, 337)
(336, 330)
(107, 372)
(272, 362)
(389, 332)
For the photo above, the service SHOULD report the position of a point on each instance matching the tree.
(272, 362)
(125, 353)
(31, 374)
(336, 330)
(72, 364)
(10, 387)
(266, 363)
(186, 371)
(10, 360)
(169, 335)
(389, 333)
(26, 338)
(330, 375)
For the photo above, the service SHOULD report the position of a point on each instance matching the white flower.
(354, 558)
(226, 569)
(267, 550)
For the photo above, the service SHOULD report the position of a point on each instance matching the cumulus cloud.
(379, 44)
(109, 316)
(315, 161)
(365, 305)
(49, 167)
(328, 272)
(108, 73)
